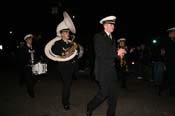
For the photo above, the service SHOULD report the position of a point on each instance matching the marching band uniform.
(122, 64)
(66, 69)
(29, 57)
(105, 70)
(66, 54)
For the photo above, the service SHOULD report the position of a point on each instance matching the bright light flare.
(1, 47)
(10, 32)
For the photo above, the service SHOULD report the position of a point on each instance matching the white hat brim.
(171, 29)
(112, 18)
(28, 36)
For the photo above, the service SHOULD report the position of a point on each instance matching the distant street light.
(10, 32)
(1, 47)
(154, 41)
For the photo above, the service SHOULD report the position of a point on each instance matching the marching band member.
(105, 67)
(122, 66)
(67, 68)
(65, 51)
(29, 56)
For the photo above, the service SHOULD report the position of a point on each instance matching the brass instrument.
(123, 60)
(68, 53)
(123, 64)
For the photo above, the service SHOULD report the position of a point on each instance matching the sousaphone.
(66, 23)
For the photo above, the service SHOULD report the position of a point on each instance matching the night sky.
(135, 20)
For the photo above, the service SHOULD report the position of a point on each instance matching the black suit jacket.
(105, 56)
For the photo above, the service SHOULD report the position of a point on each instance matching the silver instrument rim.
(54, 57)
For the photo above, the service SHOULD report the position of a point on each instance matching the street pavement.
(139, 99)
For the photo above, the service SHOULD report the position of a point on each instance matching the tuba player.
(64, 49)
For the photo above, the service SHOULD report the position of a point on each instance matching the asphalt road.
(140, 99)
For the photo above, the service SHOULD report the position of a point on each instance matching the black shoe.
(21, 83)
(89, 112)
(31, 94)
(66, 107)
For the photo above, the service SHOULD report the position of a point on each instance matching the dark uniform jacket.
(59, 46)
(26, 55)
(105, 55)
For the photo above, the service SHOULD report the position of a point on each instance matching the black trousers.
(29, 80)
(20, 73)
(107, 91)
(66, 70)
(123, 78)
(168, 82)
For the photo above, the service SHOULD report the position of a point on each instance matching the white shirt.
(109, 34)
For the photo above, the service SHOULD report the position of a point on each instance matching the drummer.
(28, 56)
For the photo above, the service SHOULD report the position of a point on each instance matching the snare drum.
(39, 68)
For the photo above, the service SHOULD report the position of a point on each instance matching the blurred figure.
(143, 62)
(169, 51)
(20, 72)
(122, 67)
(28, 57)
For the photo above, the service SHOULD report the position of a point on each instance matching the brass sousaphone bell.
(66, 23)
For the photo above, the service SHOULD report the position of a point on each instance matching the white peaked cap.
(108, 19)
(121, 39)
(60, 27)
(28, 36)
(171, 29)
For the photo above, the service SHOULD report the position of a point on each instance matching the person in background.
(169, 54)
(122, 67)
(28, 57)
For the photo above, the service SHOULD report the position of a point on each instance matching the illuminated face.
(109, 27)
(172, 34)
(65, 35)
(122, 43)
(29, 41)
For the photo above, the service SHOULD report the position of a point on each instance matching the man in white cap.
(28, 56)
(123, 62)
(105, 68)
(66, 69)
(171, 33)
